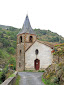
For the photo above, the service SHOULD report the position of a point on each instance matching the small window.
(30, 39)
(20, 39)
(36, 51)
(19, 64)
(20, 52)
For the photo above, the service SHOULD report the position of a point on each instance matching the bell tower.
(25, 38)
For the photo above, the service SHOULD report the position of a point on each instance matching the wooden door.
(37, 64)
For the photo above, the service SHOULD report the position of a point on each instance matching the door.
(37, 64)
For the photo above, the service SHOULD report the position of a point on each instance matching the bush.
(2, 75)
(13, 62)
(4, 54)
(11, 50)
(17, 80)
(48, 76)
(55, 80)
(14, 44)
(1, 53)
(5, 42)
(48, 82)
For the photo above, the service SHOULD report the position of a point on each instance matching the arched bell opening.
(20, 40)
(30, 39)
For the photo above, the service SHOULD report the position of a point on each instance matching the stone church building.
(32, 54)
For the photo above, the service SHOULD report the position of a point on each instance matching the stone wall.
(23, 46)
(26, 35)
(20, 57)
(10, 80)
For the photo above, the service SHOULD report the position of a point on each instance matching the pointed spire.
(26, 27)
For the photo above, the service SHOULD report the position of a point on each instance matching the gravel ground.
(30, 78)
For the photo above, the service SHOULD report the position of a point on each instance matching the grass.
(13, 75)
(34, 71)
(47, 82)
(41, 71)
(17, 80)
(43, 80)
(29, 71)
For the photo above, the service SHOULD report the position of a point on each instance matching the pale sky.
(43, 14)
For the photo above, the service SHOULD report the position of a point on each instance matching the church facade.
(32, 54)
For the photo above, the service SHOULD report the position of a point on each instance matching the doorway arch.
(37, 64)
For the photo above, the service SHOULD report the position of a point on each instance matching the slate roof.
(49, 44)
(26, 28)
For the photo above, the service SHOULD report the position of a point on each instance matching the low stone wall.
(10, 80)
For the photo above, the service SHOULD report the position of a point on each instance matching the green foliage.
(13, 61)
(4, 54)
(17, 80)
(59, 50)
(1, 53)
(0, 28)
(14, 44)
(48, 82)
(47, 35)
(11, 50)
(13, 75)
(29, 71)
(55, 74)
(12, 29)
(41, 71)
(2, 74)
(5, 42)
(54, 39)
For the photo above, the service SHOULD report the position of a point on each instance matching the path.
(31, 78)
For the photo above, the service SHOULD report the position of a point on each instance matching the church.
(32, 54)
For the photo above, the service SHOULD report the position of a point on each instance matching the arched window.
(20, 39)
(36, 51)
(30, 39)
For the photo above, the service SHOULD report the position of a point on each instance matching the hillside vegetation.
(7, 45)
(54, 74)
(8, 38)
(47, 35)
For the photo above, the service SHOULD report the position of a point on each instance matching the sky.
(43, 14)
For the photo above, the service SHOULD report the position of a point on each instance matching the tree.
(14, 44)
(0, 53)
(11, 50)
(5, 42)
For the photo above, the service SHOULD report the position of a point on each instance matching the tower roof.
(26, 28)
